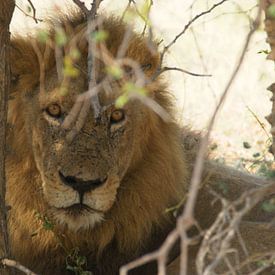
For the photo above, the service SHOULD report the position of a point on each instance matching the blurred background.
(212, 45)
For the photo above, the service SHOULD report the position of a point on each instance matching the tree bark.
(6, 11)
(270, 29)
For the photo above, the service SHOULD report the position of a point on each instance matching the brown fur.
(151, 168)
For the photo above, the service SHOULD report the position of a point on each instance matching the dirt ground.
(211, 46)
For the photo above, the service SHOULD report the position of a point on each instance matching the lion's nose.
(79, 185)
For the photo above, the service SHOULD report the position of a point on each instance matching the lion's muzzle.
(80, 185)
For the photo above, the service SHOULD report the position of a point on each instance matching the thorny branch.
(186, 220)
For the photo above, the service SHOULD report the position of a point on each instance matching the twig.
(26, 14)
(33, 11)
(16, 265)
(165, 69)
(166, 48)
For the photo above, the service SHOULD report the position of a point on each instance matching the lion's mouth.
(79, 209)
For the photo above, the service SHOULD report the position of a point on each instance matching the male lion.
(103, 193)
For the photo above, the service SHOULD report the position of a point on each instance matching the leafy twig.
(33, 11)
(26, 14)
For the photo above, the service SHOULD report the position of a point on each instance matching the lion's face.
(80, 176)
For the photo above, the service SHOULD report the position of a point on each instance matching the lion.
(101, 195)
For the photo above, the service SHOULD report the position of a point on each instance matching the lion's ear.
(145, 54)
(24, 64)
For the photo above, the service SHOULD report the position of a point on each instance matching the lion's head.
(113, 176)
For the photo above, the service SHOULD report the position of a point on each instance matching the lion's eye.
(117, 116)
(54, 110)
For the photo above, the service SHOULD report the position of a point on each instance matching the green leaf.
(269, 206)
(115, 71)
(71, 72)
(145, 10)
(69, 69)
(60, 37)
(264, 51)
(99, 36)
(43, 36)
(246, 145)
(223, 187)
(256, 155)
(129, 15)
(121, 100)
(271, 11)
(75, 54)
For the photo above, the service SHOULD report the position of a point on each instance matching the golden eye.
(117, 116)
(54, 110)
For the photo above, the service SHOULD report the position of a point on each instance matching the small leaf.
(129, 15)
(121, 100)
(99, 36)
(246, 145)
(75, 54)
(264, 51)
(271, 11)
(69, 69)
(115, 71)
(29, 9)
(214, 146)
(71, 72)
(269, 206)
(43, 36)
(223, 187)
(60, 37)
(145, 10)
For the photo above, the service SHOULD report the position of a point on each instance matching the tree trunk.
(6, 11)
(270, 29)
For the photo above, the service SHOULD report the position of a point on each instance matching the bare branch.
(166, 48)
(33, 11)
(28, 15)
(165, 69)
(82, 6)
(16, 265)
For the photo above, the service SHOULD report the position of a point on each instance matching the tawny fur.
(157, 168)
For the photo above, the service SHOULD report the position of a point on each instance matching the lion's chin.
(77, 219)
